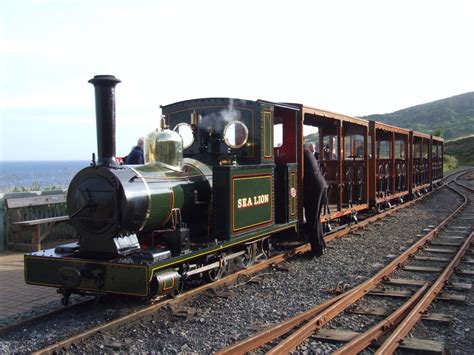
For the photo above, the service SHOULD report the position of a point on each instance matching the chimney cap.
(104, 78)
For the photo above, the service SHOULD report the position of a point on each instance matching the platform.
(15, 295)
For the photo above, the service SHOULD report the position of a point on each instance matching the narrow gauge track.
(438, 240)
(228, 280)
(71, 307)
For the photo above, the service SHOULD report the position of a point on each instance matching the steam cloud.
(218, 120)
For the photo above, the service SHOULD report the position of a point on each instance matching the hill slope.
(454, 116)
(462, 149)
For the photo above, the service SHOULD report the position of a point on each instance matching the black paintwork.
(105, 113)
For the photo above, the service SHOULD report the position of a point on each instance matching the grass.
(35, 186)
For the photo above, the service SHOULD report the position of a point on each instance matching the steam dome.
(168, 148)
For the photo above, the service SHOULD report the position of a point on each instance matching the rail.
(317, 317)
(227, 280)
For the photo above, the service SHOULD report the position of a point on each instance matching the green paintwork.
(167, 191)
(252, 201)
(160, 198)
(267, 135)
(242, 182)
(117, 278)
(292, 192)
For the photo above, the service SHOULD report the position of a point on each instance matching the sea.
(38, 175)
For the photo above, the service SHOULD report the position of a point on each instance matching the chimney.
(105, 117)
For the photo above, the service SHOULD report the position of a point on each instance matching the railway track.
(407, 276)
(228, 280)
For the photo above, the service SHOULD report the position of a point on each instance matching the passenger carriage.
(342, 146)
(389, 164)
(420, 176)
(437, 144)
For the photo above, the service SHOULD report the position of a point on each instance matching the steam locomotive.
(216, 187)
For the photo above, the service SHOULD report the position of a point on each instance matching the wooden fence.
(26, 237)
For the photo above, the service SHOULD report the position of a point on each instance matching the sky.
(352, 57)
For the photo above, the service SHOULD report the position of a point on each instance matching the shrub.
(450, 163)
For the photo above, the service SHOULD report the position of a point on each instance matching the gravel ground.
(219, 318)
(31, 337)
(459, 335)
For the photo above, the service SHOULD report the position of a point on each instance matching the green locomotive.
(220, 177)
(206, 194)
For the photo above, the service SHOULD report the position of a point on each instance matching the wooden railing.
(33, 219)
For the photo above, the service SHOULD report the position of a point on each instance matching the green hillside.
(453, 117)
(462, 149)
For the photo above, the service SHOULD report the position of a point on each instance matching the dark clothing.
(312, 173)
(135, 156)
(315, 189)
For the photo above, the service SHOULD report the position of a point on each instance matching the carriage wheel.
(378, 208)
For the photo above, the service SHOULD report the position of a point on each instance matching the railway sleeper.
(450, 297)
(383, 312)
(409, 344)
(407, 282)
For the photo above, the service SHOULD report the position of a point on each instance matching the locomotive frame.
(145, 229)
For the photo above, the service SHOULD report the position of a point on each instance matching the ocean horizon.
(38, 174)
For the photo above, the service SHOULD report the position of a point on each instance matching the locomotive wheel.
(250, 255)
(65, 298)
(178, 290)
(216, 273)
(265, 248)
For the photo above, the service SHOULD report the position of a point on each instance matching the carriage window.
(425, 150)
(440, 151)
(417, 151)
(330, 148)
(434, 150)
(354, 146)
(311, 136)
(399, 149)
(383, 150)
(277, 135)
